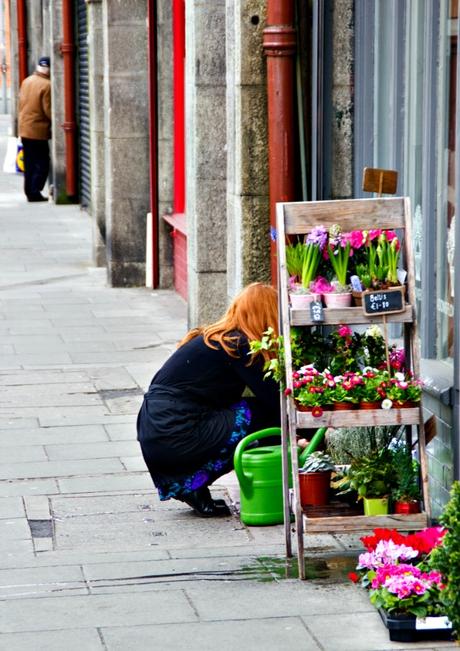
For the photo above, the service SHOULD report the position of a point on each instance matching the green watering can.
(260, 476)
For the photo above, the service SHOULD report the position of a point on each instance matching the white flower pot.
(337, 300)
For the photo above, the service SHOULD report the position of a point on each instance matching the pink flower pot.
(337, 300)
(302, 301)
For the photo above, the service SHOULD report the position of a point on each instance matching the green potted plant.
(404, 391)
(406, 491)
(372, 390)
(302, 261)
(446, 558)
(315, 479)
(372, 477)
(339, 251)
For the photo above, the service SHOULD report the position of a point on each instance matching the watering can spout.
(313, 445)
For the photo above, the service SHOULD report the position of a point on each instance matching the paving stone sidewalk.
(89, 558)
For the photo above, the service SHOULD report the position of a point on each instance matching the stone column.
(57, 144)
(165, 140)
(96, 117)
(342, 100)
(126, 139)
(247, 167)
(35, 43)
(14, 89)
(206, 159)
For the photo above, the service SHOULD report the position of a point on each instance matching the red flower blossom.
(317, 411)
(353, 577)
(287, 392)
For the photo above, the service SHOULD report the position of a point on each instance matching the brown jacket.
(34, 118)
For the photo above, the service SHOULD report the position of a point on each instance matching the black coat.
(187, 409)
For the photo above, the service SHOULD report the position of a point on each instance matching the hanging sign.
(385, 301)
(316, 312)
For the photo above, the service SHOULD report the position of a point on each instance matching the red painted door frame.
(153, 136)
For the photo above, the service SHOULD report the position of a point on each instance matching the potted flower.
(406, 492)
(339, 251)
(344, 393)
(309, 390)
(302, 261)
(404, 582)
(372, 477)
(372, 389)
(315, 479)
(403, 390)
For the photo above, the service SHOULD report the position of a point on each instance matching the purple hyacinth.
(317, 236)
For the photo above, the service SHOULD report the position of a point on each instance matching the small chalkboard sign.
(316, 312)
(385, 301)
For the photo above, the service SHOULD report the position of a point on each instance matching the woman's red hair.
(252, 312)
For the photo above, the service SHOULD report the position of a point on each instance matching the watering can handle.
(243, 444)
(312, 446)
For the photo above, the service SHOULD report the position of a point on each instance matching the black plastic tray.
(402, 628)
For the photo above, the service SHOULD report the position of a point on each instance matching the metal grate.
(83, 104)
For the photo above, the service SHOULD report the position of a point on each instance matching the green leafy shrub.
(446, 558)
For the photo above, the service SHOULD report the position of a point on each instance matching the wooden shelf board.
(349, 315)
(352, 522)
(360, 418)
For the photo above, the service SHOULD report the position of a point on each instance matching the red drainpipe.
(280, 50)
(153, 134)
(178, 9)
(69, 125)
(22, 39)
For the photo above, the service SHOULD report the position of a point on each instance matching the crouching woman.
(194, 413)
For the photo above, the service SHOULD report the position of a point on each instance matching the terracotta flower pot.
(314, 488)
(357, 298)
(413, 506)
(337, 300)
(344, 406)
(370, 405)
(408, 404)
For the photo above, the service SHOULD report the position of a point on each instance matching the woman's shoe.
(201, 502)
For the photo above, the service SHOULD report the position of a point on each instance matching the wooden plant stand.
(353, 214)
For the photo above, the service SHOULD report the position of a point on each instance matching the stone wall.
(57, 148)
(96, 116)
(341, 118)
(206, 159)
(126, 140)
(248, 248)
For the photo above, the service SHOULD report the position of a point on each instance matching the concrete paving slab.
(68, 639)
(14, 529)
(155, 572)
(11, 507)
(286, 598)
(268, 634)
(79, 416)
(77, 505)
(9, 548)
(53, 436)
(38, 581)
(15, 454)
(9, 423)
(123, 432)
(134, 463)
(116, 531)
(28, 487)
(69, 451)
(39, 378)
(37, 507)
(59, 468)
(49, 613)
(112, 482)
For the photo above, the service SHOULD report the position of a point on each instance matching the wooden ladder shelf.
(354, 214)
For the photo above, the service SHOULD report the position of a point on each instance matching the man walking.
(34, 121)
